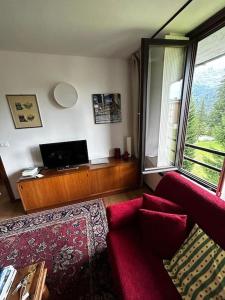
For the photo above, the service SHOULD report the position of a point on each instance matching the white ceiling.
(104, 28)
(193, 15)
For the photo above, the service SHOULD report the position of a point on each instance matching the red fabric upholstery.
(156, 203)
(206, 209)
(122, 214)
(153, 202)
(140, 274)
(138, 277)
(163, 233)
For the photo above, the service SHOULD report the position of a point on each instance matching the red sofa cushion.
(122, 214)
(139, 277)
(162, 233)
(155, 203)
(204, 208)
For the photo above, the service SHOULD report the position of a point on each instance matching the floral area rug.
(72, 242)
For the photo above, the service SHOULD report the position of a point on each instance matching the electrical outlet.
(4, 144)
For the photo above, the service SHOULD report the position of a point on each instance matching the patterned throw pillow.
(198, 268)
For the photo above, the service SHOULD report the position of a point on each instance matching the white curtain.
(135, 98)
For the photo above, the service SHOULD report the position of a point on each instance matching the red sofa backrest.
(204, 208)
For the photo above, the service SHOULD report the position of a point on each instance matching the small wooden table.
(36, 284)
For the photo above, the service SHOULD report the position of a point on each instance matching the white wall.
(26, 73)
(152, 180)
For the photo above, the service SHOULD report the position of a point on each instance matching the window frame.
(205, 29)
(145, 45)
(210, 26)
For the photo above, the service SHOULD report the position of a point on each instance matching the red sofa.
(141, 275)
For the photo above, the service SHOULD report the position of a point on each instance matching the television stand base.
(67, 168)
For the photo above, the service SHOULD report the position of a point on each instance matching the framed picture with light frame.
(25, 111)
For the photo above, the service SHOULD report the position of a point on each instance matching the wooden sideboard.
(56, 188)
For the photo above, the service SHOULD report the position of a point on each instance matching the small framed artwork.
(24, 110)
(107, 108)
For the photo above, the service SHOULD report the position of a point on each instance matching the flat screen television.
(64, 154)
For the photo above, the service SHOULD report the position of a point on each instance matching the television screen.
(64, 154)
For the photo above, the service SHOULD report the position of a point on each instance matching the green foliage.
(219, 131)
(202, 120)
(213, 124)
(209, 158)
(191, 135)
(192, 129)
(217, 116)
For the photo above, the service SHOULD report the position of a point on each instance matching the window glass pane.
(200, 171)
(163, 105)
(206, 122)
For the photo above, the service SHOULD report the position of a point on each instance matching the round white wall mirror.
(65, 95)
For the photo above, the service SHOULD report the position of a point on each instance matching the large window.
(183, 108)
(205, 138)
(164, 80)
(163, 104)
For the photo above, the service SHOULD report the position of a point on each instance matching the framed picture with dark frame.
(107, 108)
(25, 111)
